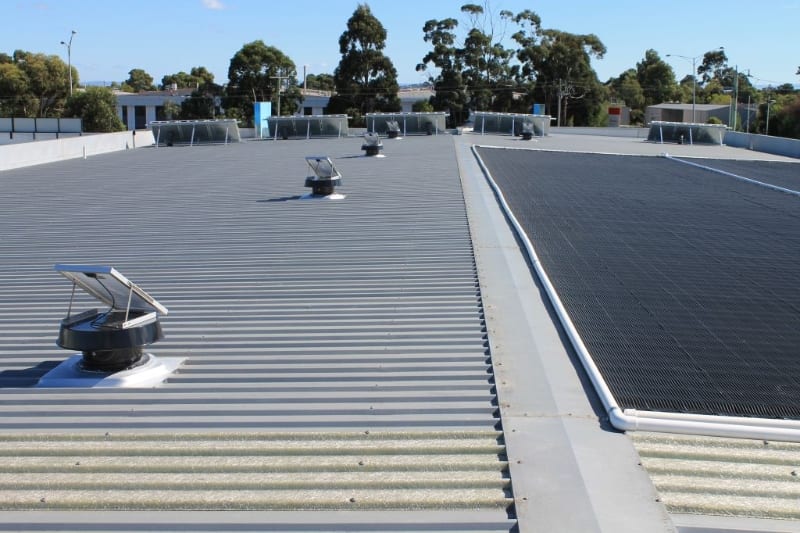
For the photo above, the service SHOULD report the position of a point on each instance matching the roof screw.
(794, 473)
(352, 500)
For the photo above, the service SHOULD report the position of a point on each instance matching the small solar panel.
(110, 287)
(322, 167)
(372, 139)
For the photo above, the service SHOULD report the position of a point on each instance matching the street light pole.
(769, 101)
(694, 80)
(69, 59)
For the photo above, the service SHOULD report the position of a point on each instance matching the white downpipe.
(632, 419)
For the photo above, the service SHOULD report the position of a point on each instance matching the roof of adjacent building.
(381, 362)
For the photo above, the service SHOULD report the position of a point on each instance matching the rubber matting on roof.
(684, 284)
(778, 173)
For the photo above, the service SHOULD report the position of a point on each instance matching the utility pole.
(279, 83)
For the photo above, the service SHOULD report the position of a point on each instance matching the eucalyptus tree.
(365, 79)
(486, 62)
(198, 77)
(17, 100)
(657, 79)
(261, 73)
(473, 73)
(447, 65)
(97, 107)
(138, 81)
(714, 65)
(36, 85)
(626, 89)
(319, 82)
(565, 79)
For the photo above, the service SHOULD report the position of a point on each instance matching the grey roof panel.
(320, 322)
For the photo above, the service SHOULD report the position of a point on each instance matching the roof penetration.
(681, 282)
(336, 352)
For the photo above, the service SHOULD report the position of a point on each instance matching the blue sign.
(262, 111)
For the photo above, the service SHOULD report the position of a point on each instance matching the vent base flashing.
(70, 373)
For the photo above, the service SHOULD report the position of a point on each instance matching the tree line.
(488, 61)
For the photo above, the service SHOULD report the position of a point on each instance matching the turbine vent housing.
(325, 177)
(372, 144)
(111, 341)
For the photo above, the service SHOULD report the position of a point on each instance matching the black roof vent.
(392, 129)
(325, 178)
(527, 130)
(111, 340)
(372, 144)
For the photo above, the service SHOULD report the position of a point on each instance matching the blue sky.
(164, 37)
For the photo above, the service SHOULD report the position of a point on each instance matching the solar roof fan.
(392, 129)
(527, 130)
(112, 340)
(325, 178)
(372, 144)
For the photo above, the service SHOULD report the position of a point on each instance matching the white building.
(137, 110)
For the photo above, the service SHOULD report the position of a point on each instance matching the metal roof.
(336, 350)
(372, 342)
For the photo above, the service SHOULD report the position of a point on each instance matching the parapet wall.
(764, 143)
(38, 152)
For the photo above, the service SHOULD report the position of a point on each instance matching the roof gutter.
(632, 419)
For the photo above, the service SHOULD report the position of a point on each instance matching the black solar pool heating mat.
(684, 284)
(777, 173)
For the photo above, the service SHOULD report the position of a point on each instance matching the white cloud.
(213, 4)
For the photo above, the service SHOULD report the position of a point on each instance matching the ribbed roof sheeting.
(295, 316)
(725, 477)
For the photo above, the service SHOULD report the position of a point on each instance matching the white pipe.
(631, 419)
(732, 175)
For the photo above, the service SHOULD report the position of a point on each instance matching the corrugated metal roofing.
(726, 477)
(313, 330)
